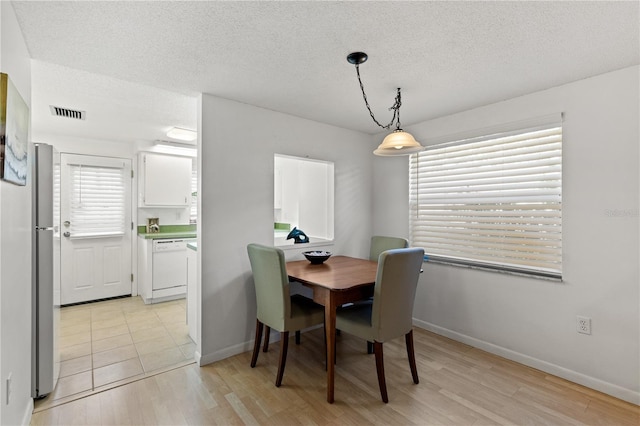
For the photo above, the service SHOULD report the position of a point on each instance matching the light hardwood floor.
(459, 385)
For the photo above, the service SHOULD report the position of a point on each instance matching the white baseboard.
(221, 354)
(628, 395)
(224, 353)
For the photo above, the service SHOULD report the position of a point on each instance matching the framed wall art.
(14, 128)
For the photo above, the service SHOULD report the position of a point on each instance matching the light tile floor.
(105, 344)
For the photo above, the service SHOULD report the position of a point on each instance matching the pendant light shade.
(398, 143)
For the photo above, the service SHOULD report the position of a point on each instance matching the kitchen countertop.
(168, 231)
(160, 235)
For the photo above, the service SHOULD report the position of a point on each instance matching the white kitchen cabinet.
(164, 180)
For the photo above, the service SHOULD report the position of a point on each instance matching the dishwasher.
(169, 267)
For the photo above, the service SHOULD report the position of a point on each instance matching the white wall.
(237, 145)
(531, 320)
(391, 183)
(15, 248)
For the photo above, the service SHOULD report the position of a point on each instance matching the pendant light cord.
(395, 107)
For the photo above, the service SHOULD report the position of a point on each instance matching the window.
(493, 202)
(97, 201)
(303, 197)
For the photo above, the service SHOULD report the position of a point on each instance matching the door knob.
(66, 223)
(67, 234)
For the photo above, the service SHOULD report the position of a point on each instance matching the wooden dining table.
(339, 280)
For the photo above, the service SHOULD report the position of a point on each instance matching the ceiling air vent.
(66, 112)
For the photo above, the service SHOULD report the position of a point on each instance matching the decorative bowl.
(316, 257)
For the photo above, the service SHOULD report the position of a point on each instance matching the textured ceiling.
(290, 56)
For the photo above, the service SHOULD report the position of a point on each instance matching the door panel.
(96, 228)
(113, 264)
(83, 262)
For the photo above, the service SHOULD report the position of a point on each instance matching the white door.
(95, 215)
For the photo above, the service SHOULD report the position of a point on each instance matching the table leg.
(330, 329)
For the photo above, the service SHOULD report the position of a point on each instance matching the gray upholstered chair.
(390, 314)
(276, 308)
(380, 244)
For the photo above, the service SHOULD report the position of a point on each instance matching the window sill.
(523, 273)
(284, 244)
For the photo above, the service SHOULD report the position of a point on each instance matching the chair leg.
(256, 343)
(297, 337)
(412, 356)
(377, 350)
(369, 347)
(267, 334)
(284, 345)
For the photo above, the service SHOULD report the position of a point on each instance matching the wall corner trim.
(28, 413)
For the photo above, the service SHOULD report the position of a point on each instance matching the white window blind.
(193, 213)
(493, 202)
(97, 205)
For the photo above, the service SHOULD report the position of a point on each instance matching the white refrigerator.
(45, 270)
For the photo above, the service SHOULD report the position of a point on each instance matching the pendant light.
(398, 142)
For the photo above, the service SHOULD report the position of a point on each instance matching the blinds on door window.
(193, 212)
(493, 201)
(97, 201)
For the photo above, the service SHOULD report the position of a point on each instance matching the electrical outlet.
(584, 325)
(8, 389)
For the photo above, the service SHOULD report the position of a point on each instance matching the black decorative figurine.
(298, 236)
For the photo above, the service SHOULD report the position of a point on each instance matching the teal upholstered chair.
(390, 314)
(276, 308)
(380, 244)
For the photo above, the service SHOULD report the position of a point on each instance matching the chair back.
(395, 291)
(380, 244)
(272, 285)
